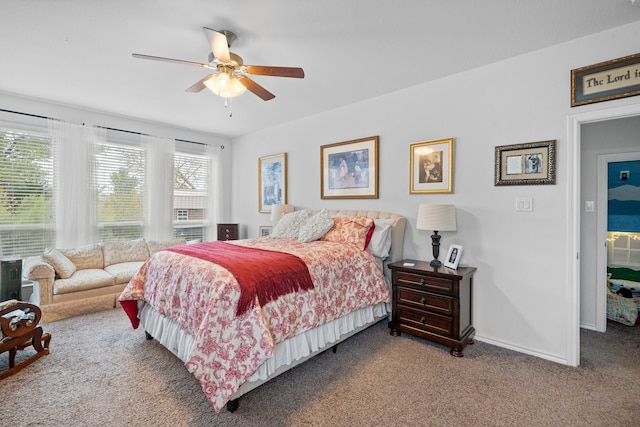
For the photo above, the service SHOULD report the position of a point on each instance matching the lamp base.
(435, 244)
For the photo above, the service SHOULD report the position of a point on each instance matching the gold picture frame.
(532, 163)
(617, 78)
(431, 166)
(272, 181)
(349, 170)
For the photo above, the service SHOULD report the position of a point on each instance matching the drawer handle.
(422, 320)
(423, 300)
(422, 280)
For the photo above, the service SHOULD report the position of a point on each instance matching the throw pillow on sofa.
(116, 252)
(60, 263)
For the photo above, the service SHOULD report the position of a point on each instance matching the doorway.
(573, 255)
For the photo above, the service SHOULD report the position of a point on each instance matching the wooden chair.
(19, 323)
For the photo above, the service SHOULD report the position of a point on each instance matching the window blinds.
(190, 195)
(119, 188)
(27, 219)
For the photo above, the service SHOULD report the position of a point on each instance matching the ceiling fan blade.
(256, 88)
(198, 86)
(176, 61)
(261, 70)
(219, 44)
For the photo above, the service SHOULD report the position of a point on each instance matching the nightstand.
(227, 231)
(431, 303)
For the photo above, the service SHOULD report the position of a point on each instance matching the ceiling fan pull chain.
(227, 102)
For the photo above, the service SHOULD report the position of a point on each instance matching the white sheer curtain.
(75, 212)
(214, 208)
(159, 207)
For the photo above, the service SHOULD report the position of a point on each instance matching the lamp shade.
(436, 217)
(277, 211)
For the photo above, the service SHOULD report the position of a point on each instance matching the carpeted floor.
(102, 372)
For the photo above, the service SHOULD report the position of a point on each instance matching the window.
(119, 186)
(183, 215)
(26, 193)
(624, 248)
(190, 195)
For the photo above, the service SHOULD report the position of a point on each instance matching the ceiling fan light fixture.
(225, 85)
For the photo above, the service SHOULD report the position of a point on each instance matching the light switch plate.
(589, 206)
(524, 204)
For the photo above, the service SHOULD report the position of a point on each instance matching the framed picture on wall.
(617, 78)
(532, 163)
(349, 170)
(272, 181)
(431, 166)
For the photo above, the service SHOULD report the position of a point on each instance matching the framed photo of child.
(453, 257)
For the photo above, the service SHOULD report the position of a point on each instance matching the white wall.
(608, 137)
(521, 289)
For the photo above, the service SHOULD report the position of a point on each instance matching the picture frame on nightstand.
(453, 257)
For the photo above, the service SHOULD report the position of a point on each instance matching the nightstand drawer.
(426, 321)
(434, 283)
(425, 300)
(227, 231)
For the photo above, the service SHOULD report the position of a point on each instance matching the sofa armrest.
(35, 268)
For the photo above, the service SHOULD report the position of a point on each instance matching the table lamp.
(278, 211)
(436, 218)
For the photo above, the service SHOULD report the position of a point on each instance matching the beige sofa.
(70, 282)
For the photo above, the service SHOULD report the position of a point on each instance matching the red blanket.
(262, 273)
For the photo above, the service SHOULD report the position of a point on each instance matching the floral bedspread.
(202, 297)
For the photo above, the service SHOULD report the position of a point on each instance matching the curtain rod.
(108, 128)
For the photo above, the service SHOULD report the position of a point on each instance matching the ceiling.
(79, 53)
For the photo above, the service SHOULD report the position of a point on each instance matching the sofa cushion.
(82, 280)
(60, 263)
(158, 245)
(124, 271)
(89, 256)
(124, 251)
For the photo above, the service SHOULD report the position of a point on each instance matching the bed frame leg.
(148, 335)
(232, 405)
(335, 349)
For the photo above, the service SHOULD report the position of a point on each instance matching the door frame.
(574, 122)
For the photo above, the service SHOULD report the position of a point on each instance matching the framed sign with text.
(608, 80)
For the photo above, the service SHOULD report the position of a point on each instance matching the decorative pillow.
(289, 225)
(84, 257)
(118, 251)
(355, 231)
(381, 239)
(60, 263)
(315, 227)
(158, 245)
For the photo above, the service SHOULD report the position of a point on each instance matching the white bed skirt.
(286, 355)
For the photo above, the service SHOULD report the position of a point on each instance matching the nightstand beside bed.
(434, 304)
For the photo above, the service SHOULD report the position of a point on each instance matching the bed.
(201, 302)
(623, 295)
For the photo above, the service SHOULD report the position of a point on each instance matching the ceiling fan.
(232, 76)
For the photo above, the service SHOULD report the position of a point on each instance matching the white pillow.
(315, 227)
(289, 225)
(381, 239)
